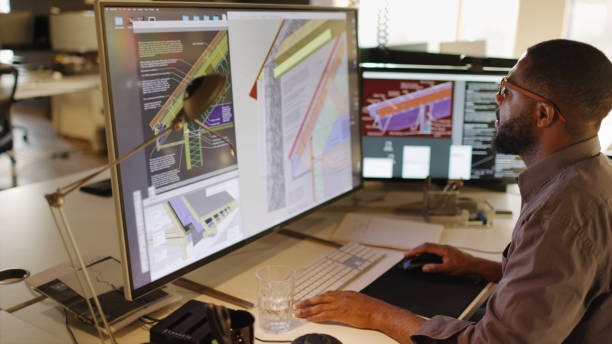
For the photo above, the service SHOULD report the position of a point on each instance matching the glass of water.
(275, 284)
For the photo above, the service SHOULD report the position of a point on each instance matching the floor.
(45, 155)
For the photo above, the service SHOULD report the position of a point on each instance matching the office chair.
(6, 129)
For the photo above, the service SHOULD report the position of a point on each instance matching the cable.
(68, 327)
(149, 320)
(273, 341)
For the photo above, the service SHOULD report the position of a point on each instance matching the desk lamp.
(198, 97)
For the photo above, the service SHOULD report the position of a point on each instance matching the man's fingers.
(417, 250)
(323, 316)
(426, 248)
(313, 311)
(315, 300)
(434, 268)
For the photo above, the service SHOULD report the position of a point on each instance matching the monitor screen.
(291, 108)
(434, 123)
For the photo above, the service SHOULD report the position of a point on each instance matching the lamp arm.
(65, 190)
(177, 124)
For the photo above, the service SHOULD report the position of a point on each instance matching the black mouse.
(316, 338)
(416, 262)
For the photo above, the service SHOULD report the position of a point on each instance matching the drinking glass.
(275, 284)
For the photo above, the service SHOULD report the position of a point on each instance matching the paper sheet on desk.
(478, 240)
(386, 232)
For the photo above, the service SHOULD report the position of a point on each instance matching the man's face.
(516, 123)
(515, 135)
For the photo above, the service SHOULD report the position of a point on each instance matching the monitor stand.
(202, 289)
(303, 236)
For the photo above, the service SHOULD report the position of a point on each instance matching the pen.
(448, 186)
(456, 185)
(427, 184)
(453, 186)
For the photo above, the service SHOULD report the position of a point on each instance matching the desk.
(76, 102)
(36, 79)
(14, 330)
(30, 241)
(33, 84)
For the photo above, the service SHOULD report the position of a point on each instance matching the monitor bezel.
(130, 292)
(489, 183)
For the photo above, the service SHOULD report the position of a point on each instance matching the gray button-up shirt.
(557, 271)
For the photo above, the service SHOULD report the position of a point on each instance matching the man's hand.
(360, 311)
(348, 307)
(456, 262)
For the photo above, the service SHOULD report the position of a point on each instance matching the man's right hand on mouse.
(454, 261)
(457, 262)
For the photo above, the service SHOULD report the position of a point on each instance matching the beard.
(515, 136)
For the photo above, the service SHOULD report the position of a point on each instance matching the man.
(555, 279)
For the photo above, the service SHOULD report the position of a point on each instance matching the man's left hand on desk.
(360, 311)
(348, 307)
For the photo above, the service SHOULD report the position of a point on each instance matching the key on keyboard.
(335, 270)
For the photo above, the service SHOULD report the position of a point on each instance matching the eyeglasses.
(505, 83)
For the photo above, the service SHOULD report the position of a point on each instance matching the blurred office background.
(55, 39)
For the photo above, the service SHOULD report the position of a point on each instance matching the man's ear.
(546, 114)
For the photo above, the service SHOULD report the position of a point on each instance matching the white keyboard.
(335, 270)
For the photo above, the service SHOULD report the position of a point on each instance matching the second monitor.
(434, 123)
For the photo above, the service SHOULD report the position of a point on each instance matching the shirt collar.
(535, 176)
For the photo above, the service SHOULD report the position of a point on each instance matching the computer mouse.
(416, 262)
(316, 338)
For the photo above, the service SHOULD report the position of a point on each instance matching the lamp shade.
(201, 93)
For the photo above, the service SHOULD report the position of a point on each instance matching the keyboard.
(335, 270)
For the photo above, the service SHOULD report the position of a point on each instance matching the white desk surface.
(30, 241)
(32, 84)
(15, 331)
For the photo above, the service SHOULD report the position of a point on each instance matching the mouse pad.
(425, 293)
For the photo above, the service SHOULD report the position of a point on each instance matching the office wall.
(508, 27)
(591, 21)
(538, 21)
(41, 7)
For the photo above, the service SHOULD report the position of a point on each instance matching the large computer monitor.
(291, 106)
(432, 122)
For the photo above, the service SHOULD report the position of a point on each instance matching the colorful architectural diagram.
(303, 87)
(415, 110)
(314, 112)
(302, 43)
(221, 117)
(215, 58)
(199, 214)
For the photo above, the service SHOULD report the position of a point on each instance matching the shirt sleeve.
(544, 292)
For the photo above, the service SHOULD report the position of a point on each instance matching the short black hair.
(574, 75)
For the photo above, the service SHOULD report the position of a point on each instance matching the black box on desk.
(188, 324)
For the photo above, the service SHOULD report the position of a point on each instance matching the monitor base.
(202, 289)
(302, 236)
